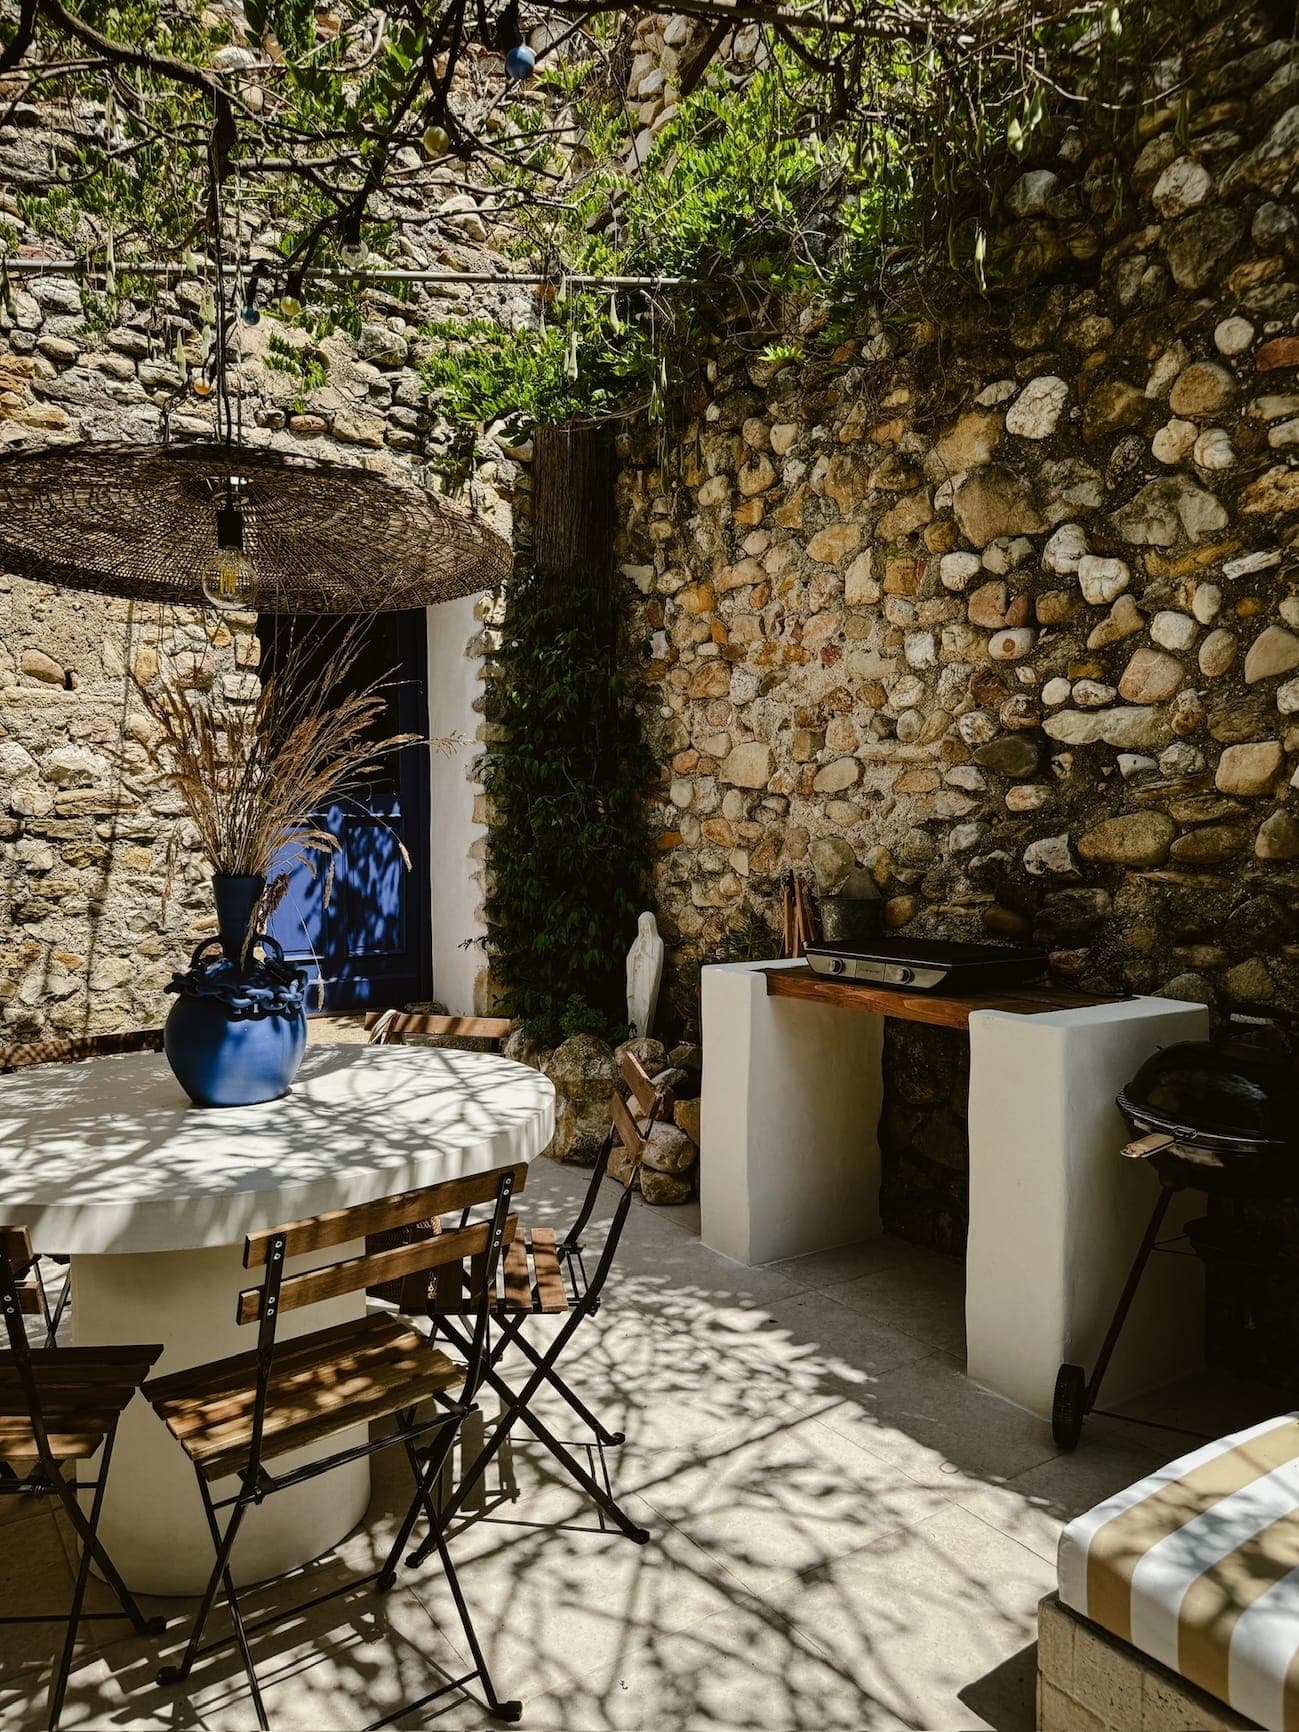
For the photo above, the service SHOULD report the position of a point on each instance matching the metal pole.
(332, 273)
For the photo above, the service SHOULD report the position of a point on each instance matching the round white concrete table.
(152, 1198)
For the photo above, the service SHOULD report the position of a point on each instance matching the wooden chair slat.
(516, 1278)
(394, 1026)
(551, 1293)
(82, 1395)
(74, 1048)
(91, 1361)
(221, 1374)
(320, 1385)
(626, 1127)
(386, 1214)
(18, 1442)
(18, 1243)
(448, 1288)
(372, 1269)
(638, 1081)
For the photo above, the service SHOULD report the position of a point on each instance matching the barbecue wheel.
(1069, 1406)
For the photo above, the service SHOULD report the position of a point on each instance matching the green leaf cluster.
(565, 776)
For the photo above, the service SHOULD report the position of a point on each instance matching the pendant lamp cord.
(214, 223)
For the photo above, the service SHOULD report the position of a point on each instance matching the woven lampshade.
(140, 521)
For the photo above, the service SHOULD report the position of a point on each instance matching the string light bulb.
(291, 299)
(250, 314)
(230, 580)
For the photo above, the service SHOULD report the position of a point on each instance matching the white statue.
(644, 973)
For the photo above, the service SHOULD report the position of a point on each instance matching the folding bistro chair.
(61, 1405)
(540, 1277)
(71, 1049)
(33, 1295)
(234, 1416)
(391, 1027)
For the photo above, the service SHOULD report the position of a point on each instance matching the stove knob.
(905, 976)
(838, 965)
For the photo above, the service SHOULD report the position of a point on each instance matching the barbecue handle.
(1144, 1147)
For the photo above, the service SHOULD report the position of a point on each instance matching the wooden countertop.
(945, 1010)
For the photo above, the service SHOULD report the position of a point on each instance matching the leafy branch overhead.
(348, 131)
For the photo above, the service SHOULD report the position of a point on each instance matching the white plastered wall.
(453, 684)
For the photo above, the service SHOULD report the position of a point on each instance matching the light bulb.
(230, 581)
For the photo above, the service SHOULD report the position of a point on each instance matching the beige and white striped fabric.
(1198, 1566)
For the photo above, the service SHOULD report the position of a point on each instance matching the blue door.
(363, 935)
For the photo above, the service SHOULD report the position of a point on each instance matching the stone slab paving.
(847, 1533)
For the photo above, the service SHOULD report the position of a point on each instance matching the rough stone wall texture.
(997, 612)
(85, 829)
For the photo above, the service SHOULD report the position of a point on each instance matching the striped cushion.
(1198, 1566)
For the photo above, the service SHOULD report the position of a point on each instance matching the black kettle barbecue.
(1219, 1116)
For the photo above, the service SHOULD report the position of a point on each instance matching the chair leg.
(592, 1487)
(506, 1711)
(425, 1479)
(514, 1335)
(516, 1409)
(60, 1306)
(87, 1530)
(59, 1686)
(245, 1652)
(223, 1545)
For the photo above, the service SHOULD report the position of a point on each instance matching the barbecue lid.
(1231, 1088)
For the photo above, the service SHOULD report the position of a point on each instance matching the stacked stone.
(101, 896)
(585, 1072)
(664, 47)
(1008, 602)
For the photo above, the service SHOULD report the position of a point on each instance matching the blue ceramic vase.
(237, 1031)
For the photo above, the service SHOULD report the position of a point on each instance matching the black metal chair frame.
(511, 1332)
(433, 1438)
(47, 1479)
(31, 1272)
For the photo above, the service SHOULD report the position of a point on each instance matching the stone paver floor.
(847, 1534)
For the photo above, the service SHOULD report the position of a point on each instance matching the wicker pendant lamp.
(242, 527)
(238, 526)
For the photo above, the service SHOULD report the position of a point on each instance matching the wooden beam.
(941, 1009)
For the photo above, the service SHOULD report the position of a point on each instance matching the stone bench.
(1178, 1602)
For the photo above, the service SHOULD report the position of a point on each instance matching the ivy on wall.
(566, 770)
(566, 779)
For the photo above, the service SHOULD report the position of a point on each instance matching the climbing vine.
(565, 777)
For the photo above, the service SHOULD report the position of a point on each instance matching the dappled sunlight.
(846, 1534)
(87, 1153)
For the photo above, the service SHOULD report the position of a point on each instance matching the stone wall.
(996, 613)
(97, 901)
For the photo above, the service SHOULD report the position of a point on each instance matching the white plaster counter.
(790, 1163)
(152, 1198)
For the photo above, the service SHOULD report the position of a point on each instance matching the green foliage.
(300, 363)
(750, 937)
(565, 776)
(480, 372)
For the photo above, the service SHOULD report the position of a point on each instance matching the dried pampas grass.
(251, 776)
